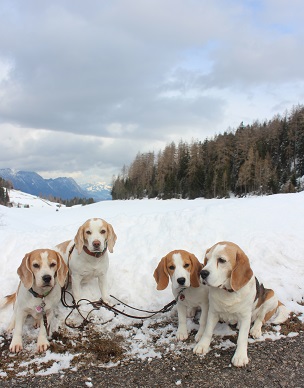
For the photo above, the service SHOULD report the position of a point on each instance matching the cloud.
(97, 82)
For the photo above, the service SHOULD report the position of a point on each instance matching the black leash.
(100, 303)
(165, 309)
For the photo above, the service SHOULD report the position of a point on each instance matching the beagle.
(236, 296)
(183, 268)
(42, 274)
(87, 255)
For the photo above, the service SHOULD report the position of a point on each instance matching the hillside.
(62, 187)
(268, 228)
(21, 199)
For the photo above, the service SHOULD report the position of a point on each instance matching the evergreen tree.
(262, 158)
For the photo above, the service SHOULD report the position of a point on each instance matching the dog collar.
(36, 295)
(95, 254)
(180, 295)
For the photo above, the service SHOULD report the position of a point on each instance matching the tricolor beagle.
(42, 274)
(90, 258)
(236, 296)
(183, 268)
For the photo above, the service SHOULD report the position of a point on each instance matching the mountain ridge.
(62, 187)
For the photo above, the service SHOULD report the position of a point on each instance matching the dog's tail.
(9, 299)
(281, 314)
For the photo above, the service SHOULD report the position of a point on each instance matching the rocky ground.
(277, 363)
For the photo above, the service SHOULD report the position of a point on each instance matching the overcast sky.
(86, 85)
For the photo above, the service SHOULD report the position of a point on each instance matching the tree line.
(261, 158)
(4, 188)
(69, 202)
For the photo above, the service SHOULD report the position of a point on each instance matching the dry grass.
(87, 348)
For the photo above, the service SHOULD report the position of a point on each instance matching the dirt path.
(272, 364)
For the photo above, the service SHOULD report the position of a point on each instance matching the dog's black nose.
(181, 281)
(204, 274)
(47, 278)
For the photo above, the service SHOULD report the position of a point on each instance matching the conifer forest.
(260, 159)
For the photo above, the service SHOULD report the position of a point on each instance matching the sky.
(146, 231)
(85, 86)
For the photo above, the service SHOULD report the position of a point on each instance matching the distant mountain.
(65, 188)
(98, 191)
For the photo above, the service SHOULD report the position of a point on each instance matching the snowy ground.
(269, 229)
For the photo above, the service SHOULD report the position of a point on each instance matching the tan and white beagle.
(87, 255)
(183, 268)
(42, 274)
(236, 296)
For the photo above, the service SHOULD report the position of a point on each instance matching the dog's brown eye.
(88, 232)
(222, 261)
(172, 267)
(102, 231)
(186, 265)
(36, 265)
(53, 265)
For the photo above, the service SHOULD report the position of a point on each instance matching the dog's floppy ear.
(79, 239)
(160, 274)
(241, 273)
(62, 270)
(25, 273)
(195, 271)
(111, 237)
(205, 259)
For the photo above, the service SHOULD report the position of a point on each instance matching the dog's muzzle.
(96, 245)
(181, 281)
(46, 280)
(204, 274)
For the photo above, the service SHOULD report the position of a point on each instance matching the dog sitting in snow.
(42, 274)
(87, 255)
(183, 268)
(236, 296)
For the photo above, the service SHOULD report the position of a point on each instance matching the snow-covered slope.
(269, 229)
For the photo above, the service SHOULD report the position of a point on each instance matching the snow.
(269, 229)
(59, 362)
(19, 198)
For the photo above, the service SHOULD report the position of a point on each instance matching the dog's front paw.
(201, 348)
(182, 334)
(42, 345)
(240, 359)
(16, 345)
(255, 332)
